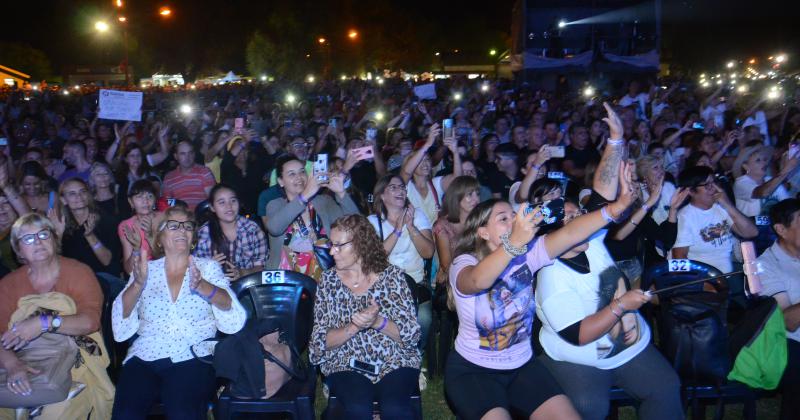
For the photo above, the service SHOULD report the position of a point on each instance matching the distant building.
(98, 75)
(13, 77)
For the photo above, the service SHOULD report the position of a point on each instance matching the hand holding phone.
(556, 151)
(321, 168)
(363, 153)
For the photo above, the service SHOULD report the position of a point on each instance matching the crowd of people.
(524, 216)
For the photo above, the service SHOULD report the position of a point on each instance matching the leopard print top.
(335, 305)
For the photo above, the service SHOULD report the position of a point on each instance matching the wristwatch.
(55, 324)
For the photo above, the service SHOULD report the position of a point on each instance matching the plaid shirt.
(248, 250)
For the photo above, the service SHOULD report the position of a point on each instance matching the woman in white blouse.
(172, 303)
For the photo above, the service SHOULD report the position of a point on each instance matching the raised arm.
(585, 226)
(407, 171)
(606, 178)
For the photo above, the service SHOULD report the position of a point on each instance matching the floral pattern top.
(336, 304)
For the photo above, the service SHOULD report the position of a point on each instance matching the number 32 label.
(680, 265)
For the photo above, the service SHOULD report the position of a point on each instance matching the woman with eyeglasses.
(493, 373)
(137, 231)
(365, 329)
(172, 304)
(406, 234)
(302, 217)
(234, 241)
(52, 294)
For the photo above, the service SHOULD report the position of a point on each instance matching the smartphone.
(552, 211)
(490, 106)
(447, 128)
(363, 153)
(238, 125)
(364, 367)
(332, 122)
(698, 126)
(3, 141)
(556, 151)
(321, 167)
(372, 134)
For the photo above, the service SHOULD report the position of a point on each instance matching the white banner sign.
(119, 105)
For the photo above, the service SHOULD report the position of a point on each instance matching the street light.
(165, 11)
(290, 98)
(352, 34)
(588, 92)
(186, 109)
(781, 58)
(263, 77)
(122, 19)
(101, 26)
(118, 3)
(322, 40)
(731, 64)
(493, 52)
(562, 23)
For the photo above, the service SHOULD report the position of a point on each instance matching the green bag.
(759, 346)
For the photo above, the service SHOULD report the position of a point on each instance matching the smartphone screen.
(238, 125)
(372, 134)
(447, 128)
(556, 151)
(321, 167)
(552, 211)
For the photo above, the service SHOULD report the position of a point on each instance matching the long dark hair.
(123, 169)
(219, 243)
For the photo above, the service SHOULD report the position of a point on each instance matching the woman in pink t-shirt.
(137, 233)
(492, 372)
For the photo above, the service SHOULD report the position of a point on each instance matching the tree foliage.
(26, 59)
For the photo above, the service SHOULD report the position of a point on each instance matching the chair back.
(284, 296)
(674, 272)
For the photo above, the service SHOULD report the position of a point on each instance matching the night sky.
(204, 35)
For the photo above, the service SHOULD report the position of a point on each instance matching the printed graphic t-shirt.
(495, 325)
(707, 233)
(565, 296)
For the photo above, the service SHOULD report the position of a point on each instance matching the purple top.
(495, 325)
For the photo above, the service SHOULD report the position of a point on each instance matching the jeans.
(393, 392)
(648, 377)
(185, 389)
(425, 319)
(790, 382)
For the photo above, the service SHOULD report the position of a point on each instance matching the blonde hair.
(38, 221)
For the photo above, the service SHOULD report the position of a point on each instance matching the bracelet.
(302, 199)
(397, 233)
(611, 308)
(383, 324)
(615, 142)
(45, 321)
(136, 253)
(514, 251)
(645, 207)
(619, 303)
(634, 223)
(97, 245)
(210, 296)
(607, 217)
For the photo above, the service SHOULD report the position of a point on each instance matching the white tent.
(230, 77)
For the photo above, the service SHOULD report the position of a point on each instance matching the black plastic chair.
(700, 394)
(288, 298)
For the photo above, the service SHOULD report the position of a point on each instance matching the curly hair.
(160, 223)
(366, 244)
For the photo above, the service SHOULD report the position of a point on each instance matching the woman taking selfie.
(492, 372)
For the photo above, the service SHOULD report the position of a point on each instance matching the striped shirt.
(189, 186)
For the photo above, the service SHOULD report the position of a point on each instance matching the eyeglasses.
(31, 238)
(705, 184)
(188, 225)
(338, 247)
(396, 187)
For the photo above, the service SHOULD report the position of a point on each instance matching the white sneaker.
(423, 381)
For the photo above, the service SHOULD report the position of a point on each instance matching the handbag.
(54, 356)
